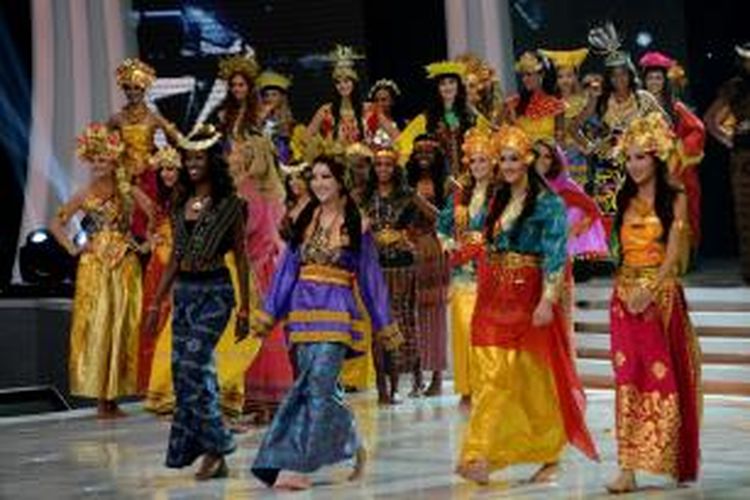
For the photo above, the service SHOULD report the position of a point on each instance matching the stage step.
(700, 299)
(706, 323)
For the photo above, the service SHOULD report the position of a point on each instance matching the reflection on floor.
(413, 448)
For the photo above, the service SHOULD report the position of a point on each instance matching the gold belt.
(514, 260)
(326, 274)
(637, 276)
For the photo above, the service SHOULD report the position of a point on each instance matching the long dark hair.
(664, 199)
(222, 185)
(549, 85)
(356, 101)
(166, 196)
(398, 180)
(231, 108)
(305, 174)
(352, 217)
(558, 157)
(667, 96)
(436, 108)
(437, 174)
(608, 89)
(501, 199)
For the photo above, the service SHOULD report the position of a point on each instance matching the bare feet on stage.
(360, 462)
(108, 410)
(476, 471)
(212, 467)
(546, 473)
(623, 483)
(465, 403)
(292, 481)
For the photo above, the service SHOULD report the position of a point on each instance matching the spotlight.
(644, 39)
(43, 261)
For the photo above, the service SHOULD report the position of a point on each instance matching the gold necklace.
(199, 203)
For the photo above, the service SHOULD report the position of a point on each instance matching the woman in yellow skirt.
(107, 301)
(527, 402)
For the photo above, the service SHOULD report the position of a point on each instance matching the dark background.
(398, 38)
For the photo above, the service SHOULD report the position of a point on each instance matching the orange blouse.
(641, 235)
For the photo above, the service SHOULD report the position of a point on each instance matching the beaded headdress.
(512, 137)
(97, 140)
(165, 157)
(384, 83)
(133, 71)
(651, 134)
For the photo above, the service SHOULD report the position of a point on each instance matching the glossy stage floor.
(413, 448)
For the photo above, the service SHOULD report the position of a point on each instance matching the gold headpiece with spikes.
(96, 140)
(478, 70)
(529, 62)
(165, 157)
(133, 71)
(344, 59)
(386, 151)
(243, 64)
(358, 149)
(512, 137)
(478, 140)
(446, 68)
(566, 58)
(202, 137)
(651, 133)
(272, 79)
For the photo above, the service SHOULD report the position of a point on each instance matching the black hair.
(436, 109)
(356, 101)
(398, 181)
(352, 217)
(667, 96)
(222, 184)
(549, 84)
(501, 199)
(608, 89)
(664, 199)
(291, 198)
(437, 172)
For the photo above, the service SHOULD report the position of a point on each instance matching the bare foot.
(435, 389)
(292, 481)
(476, 472)
(545, 474)
(360, 461)
(465, 403)
(623, 483)
(108, 410)
(212, 467)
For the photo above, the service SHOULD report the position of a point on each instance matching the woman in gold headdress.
(253, 165)
(137, 125)
(655, 352)
(107, 302)
(275, 115)
(483, 92)
(527, 402)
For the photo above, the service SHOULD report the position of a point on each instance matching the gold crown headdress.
(344, 59)
(478, 140)
(269, 79)
(650, 133)
(446, 68)
(202, 137)
(384, 83)
(512, 137)
(133, 71)
(566, 58)
(358, 149)
(529, 62)
(165, 157)
(606, 42)
(243, 64)
(386, 151)
(478, 70)
(96, 140)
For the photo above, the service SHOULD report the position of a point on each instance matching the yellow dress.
(106, 308)
(232, 360)
(139, 142)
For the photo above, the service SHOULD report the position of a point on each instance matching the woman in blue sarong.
(330, 293)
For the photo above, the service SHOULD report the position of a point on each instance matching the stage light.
(644, 39)
(43, 261)
(81, 239)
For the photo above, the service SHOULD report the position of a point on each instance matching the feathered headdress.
(606, 42)
(344, 60)
(97, 140)
(133, 71)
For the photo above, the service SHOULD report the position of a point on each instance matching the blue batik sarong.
(201, 311)
(313, 427)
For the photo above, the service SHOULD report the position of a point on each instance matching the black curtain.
(15, 119)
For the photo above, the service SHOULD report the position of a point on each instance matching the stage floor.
(413, 448)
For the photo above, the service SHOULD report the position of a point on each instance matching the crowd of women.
(251, 271)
